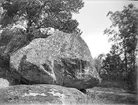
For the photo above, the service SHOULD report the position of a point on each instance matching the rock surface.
(42, 94)
(4, 83)
(62, 59)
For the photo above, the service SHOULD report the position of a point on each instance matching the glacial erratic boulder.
(62, 59)
(42, 94)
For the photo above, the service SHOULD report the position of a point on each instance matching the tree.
(41, 14)
(113, 66)
(126, 37)
(98, 63)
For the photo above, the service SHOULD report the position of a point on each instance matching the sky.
(93, 21)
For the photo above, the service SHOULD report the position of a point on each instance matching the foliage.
(41, 14)
(125, 40)
(126, 37)
(109, 66)
(114, 66)
(98, 64)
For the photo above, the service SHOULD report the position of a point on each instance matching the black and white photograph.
(68, 52)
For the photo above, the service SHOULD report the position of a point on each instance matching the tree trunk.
(125, 59)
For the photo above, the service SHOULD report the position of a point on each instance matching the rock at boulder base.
(42, 94)
(6, 78)
(62, 59)
(4, 83)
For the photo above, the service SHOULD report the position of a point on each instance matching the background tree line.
(120, 63)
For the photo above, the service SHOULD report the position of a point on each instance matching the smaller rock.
(4, 83)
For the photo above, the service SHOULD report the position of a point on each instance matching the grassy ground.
(111, 92)
(111, 96)
(111, 83)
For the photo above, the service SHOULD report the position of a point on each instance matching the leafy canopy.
(41, 13)
(126, 21)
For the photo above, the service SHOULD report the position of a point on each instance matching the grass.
(111, 92)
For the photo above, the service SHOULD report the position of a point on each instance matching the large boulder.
(62, 59)
(42, 94)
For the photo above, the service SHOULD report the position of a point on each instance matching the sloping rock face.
(62, 59)
(42, 94)
(10, 41)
